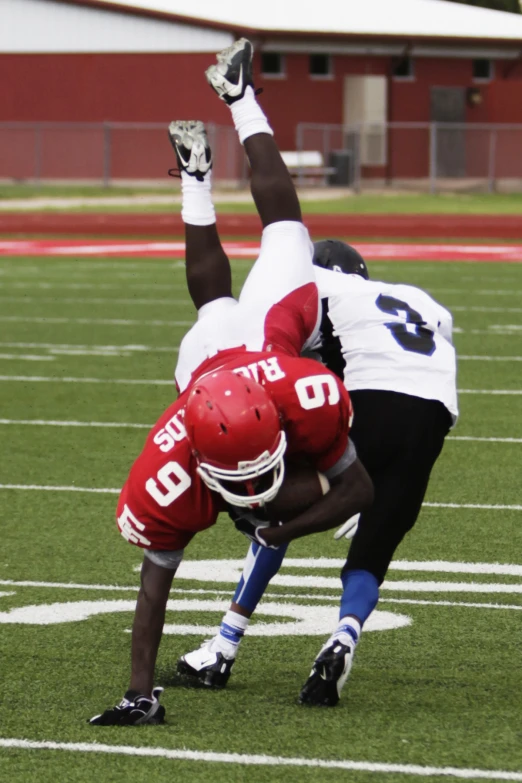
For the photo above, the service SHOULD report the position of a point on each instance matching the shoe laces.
(176, 173)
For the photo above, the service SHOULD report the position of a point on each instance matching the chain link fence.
(105, 153)
(419, 156)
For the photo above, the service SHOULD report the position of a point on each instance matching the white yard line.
(41, 488)
(263, 760)
(111, 491)
(452, 567)
(53, 265)
(73, 348)
(278, 596)
(122, 381)
(485, 440)
(50, 423)
(435, 566)
(471, 309)
(512, 327)
(67, 585)
(494, 331)
(479, 291)
(100, 321)
(58, 347)
(151, 382)
(465, 604)
(461, 358)
(491, 391)
(101, 286)
(408, 586)
(494, 507)
(97, 300)
(27, 357)
(131, 425)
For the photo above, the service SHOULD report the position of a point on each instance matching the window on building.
(482, 70)
(403, 68)
(272, 64)
(320, 66)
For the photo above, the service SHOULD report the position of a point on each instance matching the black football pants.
(398, 439)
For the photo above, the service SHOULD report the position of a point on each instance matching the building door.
(448, 105)
(365, 109)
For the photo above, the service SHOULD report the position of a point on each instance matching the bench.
(307, 166)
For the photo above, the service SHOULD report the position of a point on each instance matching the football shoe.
(133, 710)
(233, 72)
(191, 146)
(206, 667)
(329, 674)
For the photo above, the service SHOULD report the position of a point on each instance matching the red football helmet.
(235, 432)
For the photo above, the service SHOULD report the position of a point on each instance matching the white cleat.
(233, 73)
(189, 139)
(206, 666)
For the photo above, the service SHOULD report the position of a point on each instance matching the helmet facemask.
(250, 476)
(235, 430)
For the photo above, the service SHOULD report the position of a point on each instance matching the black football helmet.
(339, 257)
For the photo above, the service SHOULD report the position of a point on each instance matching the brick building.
(336, 63)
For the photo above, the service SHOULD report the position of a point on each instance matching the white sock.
(249, 117)
(348, 630)
(233, 626)
(197, 207)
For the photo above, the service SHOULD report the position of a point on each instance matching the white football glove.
(349, 529)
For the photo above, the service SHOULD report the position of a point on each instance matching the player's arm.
(147, 628)
(140, 703)
(350, 492)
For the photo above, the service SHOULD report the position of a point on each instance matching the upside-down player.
(392, 344)
(250, 402)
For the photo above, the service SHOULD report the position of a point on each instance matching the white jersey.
(393, 337)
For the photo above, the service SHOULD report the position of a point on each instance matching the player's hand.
(349, 529)
(133, 710)
(248, 524)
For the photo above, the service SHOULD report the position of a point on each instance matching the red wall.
(156, 88)
(98, 87)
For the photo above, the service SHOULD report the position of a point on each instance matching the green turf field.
(93, 342)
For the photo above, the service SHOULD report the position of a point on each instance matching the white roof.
(44, 26)
(430, 18)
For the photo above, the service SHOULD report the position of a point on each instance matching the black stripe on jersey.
(331, 351)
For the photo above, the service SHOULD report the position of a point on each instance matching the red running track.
(141, 248)
(153, 224)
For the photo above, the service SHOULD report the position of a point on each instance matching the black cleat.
(329, 673)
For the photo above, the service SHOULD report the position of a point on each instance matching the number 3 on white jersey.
(312, 391)
(172, 481)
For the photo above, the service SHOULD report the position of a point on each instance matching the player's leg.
(399, 459)
(272, 188)
(271, 184)
(283, 274)
(208, 267)
(211, 664)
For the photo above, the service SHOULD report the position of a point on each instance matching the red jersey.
(315, 408)
(165, 502)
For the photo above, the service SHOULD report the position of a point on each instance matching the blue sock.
(260, 566)
(360, 594)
